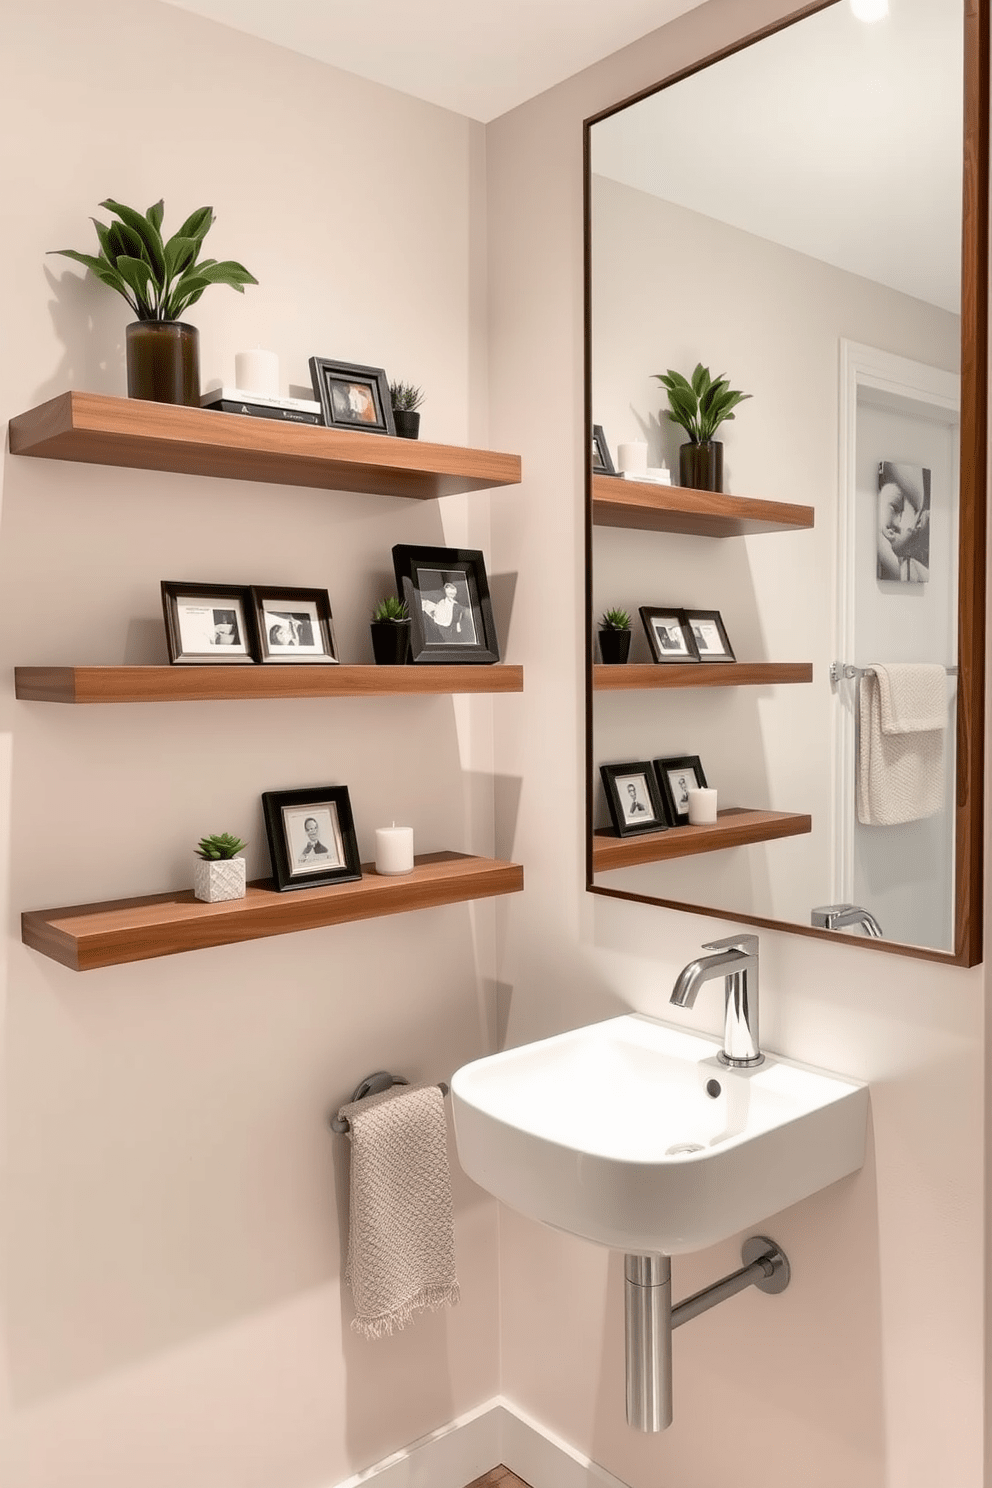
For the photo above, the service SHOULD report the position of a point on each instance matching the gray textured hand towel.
(401, 1236)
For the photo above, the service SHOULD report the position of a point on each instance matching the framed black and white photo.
(903, 523)
(669, 633)
(602, 460)
(311, 836)
(208, 623)
(709, 635)
(633, 799)
(676, 778)
(293, 625)
(352, 396)
(447, 597)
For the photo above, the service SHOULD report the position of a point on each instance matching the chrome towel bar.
(373, 1085)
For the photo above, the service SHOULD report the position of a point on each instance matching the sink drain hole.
(677, 1148)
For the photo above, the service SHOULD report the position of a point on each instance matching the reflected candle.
(632, 458)
(702, 807)
(393, 850)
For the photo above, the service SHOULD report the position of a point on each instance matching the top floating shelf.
(617, 502)
(98, 430)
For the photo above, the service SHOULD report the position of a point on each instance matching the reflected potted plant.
(614, 637)
(390, 629)
(159, 279)
(700, 407)
(218, 872)
(406, 399)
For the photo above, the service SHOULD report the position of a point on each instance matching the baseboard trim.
(496, 1432)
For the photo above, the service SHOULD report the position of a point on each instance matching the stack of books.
(259, 405)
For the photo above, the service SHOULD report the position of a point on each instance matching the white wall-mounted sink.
(631, 1134)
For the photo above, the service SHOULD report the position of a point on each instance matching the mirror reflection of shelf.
(644, 505)
(734, 827)
(642, 676)
(195, 684)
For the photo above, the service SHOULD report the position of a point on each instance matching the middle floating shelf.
(641, 676)
(735, 827)
(197, 684)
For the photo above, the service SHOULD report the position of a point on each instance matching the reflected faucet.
(836, 916)
(736, 960)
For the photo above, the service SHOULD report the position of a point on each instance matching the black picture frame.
(669, 634)
(293, 625)
(602, 460)
(633, 799)
(672, 787)
(209, 624)
(709, 635)
(303, 859)
(423, 578)
(352, 396)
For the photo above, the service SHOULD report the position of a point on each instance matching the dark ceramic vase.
(614, 646)
(701, 466)
(407, 423)
(163, 362)
(390, 642)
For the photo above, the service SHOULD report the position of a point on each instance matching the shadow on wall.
(93, 339)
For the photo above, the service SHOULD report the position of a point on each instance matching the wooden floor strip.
(498, 1477)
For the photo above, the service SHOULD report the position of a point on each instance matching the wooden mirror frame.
(970, 758)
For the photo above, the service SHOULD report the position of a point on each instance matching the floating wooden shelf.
(195, 684)
(86, 936)
(617, 502)
(643, 676)
(99, 430)
(735, 827)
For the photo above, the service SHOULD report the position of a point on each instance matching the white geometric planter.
(220, 878)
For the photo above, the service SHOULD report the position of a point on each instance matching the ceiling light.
(870, 10)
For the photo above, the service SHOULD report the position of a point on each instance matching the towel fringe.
(426, 1299)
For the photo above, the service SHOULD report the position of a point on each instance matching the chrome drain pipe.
(649, 1319)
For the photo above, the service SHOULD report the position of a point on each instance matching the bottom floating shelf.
(86, 936)
(735, 827)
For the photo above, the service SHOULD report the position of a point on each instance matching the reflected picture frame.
(676, 775)
(633, 799)
(602, 460)
(669, 634)
(311, 833)
(352, 396)
(208, 624)
(446, 592)
(293, 626)
(709, 635)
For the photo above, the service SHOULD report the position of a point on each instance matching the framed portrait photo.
(447, 597)
(633, 799)
(669, 634)
(352, 396)
(311, 836)
(709, 635)
(676, 777)
(293, 625)
(207, 623)
(602, 460)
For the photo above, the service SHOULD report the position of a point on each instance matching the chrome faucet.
(737, 961)
(836, 916)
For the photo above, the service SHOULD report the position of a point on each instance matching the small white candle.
(702, 807)
(257, 372)
(393, 849)
(632, 458)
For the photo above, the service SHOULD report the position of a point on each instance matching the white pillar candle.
(393, 850)
(632, 458)
(257, 372)
(702, 807)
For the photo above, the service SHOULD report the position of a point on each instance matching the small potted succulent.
(614, 637)
(390, 629)
(406, 399)
(218, 873)
(160, 279)
(700, 407)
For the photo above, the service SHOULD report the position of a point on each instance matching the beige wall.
(172, 1200)
(869, 1371)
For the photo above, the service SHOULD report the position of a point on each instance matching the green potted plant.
(406, 399)
(700, 407)
(218, 873)
(159, 279)
(614, 637)
(390, 629)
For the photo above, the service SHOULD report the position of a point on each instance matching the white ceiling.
(478, 57)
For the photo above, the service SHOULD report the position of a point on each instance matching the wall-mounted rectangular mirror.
(807, 215)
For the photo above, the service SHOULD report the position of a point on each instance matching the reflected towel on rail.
(401, 1236)
(903, 718)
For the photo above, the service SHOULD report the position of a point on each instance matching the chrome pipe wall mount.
(649, 1319)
